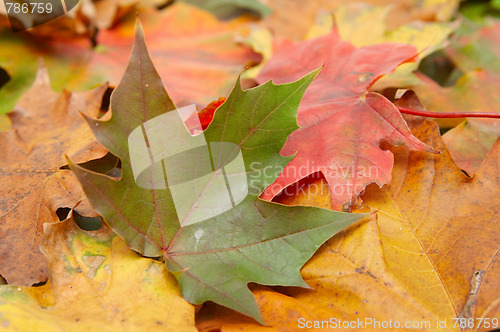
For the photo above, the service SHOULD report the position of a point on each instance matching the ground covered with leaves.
(344, 171)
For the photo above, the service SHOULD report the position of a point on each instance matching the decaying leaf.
(45, 127)
(214, 257)
(92, 278)
(429, 254)
(75, 18)
(342, 124)
(43, 19)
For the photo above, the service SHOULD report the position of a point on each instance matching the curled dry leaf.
(54, 15)
(45, 127)
(76, 18)
(92, 278)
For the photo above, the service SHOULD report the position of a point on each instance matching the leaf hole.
(38, 284)
(443, 131)
(4, 77)
(106, 101)
(465, 172)
(62, 213)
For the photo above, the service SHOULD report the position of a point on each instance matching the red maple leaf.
(203, 117)
(342, 123)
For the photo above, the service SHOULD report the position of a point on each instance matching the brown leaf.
(78, 18)
(45, 127)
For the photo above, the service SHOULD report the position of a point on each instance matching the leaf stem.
(448, 114)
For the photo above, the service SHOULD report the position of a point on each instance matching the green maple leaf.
(214, 254)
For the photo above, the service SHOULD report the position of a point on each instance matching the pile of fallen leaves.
(352, 209)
